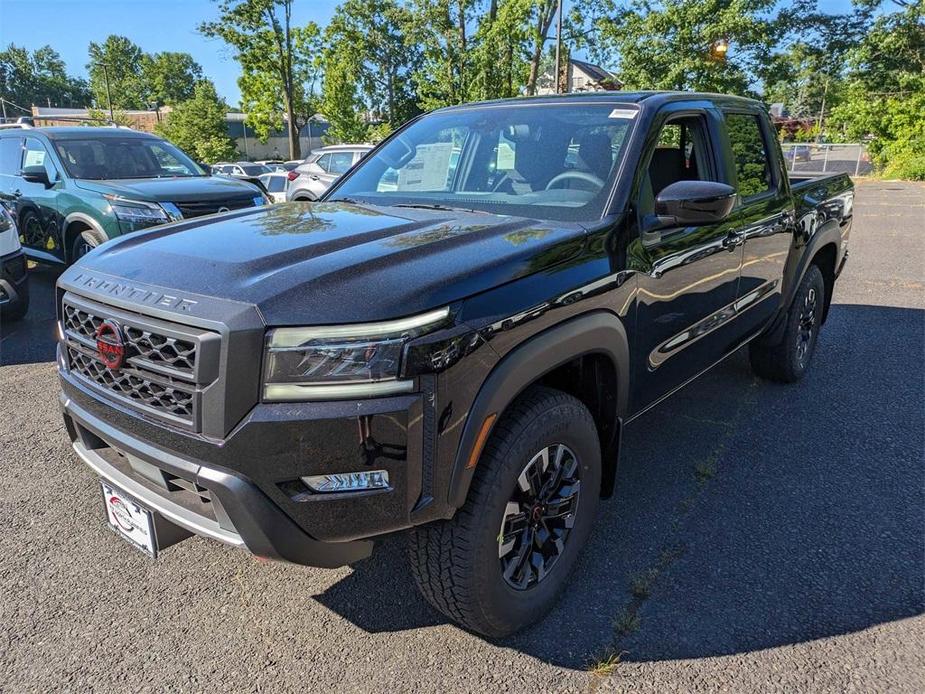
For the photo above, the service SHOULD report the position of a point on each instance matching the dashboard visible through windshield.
(541, 160)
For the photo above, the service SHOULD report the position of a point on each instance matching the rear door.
(764, 215)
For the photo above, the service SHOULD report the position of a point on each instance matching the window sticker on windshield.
(34, 157)
(428, 169)
(623, 113)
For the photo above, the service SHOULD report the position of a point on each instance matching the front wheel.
(501, 562)
(84, 243)
(788, 361)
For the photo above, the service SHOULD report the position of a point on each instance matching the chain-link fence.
(812, 158)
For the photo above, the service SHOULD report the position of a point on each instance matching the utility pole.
(108, 95)
(559, 50)
(3, 105)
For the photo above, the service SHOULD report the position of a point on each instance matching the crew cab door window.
(749, 153)
(682, 153)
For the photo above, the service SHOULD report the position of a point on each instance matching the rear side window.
(276, 184)
(10, 155)
(749, 153)
(340, 162)
(324, 162)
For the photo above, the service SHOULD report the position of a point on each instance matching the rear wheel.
(501, 562)
(788, 361)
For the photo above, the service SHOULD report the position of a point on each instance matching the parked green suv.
(72, 188)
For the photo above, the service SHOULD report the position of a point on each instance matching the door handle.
(734, 240)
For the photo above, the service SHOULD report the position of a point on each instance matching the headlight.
(137, 212)
(342, 361)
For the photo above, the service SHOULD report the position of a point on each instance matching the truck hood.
(179, 189)
(323, 263)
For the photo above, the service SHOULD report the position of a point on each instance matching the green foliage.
(341, 102)
(666, 45)
(280, 63)
(119, 60)
(168, 77)
(197, 125)
(884, 93)
(37, 78)
(99, 116)
(377, 33)
(907, 165)
(139, 80)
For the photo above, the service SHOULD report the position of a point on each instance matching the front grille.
(163, 373)
(167, 397)
(197, 209)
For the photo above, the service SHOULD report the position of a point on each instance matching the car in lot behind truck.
(14, 277)
(448, 350)
(72, 188)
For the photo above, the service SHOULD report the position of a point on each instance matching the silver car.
(322, 167)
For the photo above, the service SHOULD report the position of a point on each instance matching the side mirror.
(692, 203)
(36, 174)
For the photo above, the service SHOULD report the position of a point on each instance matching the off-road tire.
(456, 562)
(788, 360)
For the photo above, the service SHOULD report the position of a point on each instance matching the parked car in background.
(69, 189)
(14, 278)
(275, 185)
(272, 164)
(798, 153)
(243, 171)
(321, 168)
(293, 164)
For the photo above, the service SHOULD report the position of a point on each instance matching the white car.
(14, 277)
(275, 184)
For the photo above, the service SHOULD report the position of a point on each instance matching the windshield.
(547, 161)
(120, 158)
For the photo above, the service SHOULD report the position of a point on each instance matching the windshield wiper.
(434, 206)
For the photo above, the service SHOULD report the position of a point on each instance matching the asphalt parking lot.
(762, 537)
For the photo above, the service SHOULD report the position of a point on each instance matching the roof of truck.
(637, 97)
(77, 132)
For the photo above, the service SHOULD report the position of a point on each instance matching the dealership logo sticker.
(110, 345)
(121, 513)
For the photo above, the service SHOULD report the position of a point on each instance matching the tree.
(169, 77)
(666, 45)
(198, 127)
(884, 95)
(440, 28)
(39, 77)
(500, 50)
(274, 56)
(341, 102)
(117, 61)
(377, 33)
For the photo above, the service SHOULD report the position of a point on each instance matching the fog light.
(348, 481)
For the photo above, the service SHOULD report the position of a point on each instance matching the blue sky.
(156, 25)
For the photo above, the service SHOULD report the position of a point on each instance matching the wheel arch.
(75, 223)
(596, 347)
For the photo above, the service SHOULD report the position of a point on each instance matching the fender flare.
(598, 332)
(828, 233)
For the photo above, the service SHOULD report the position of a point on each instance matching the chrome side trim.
(175, 513)
(704, 327)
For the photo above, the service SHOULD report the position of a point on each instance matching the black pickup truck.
(450, 343)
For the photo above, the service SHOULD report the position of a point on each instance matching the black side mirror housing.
(36, 174)
(693, 203)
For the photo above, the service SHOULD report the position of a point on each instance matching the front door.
(36, 205)
(687, 276)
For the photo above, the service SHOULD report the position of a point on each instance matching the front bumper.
(240, 511)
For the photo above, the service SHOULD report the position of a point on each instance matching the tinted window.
(551, 162)
(275, 184)
(340, 162)
(324, 161)
(10, 155)
(121, 158)
(35, 154)
(255, 169)
(749, 153)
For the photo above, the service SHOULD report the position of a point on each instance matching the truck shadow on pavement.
(747, 515)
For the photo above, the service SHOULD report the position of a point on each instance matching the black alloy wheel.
(539, 516)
